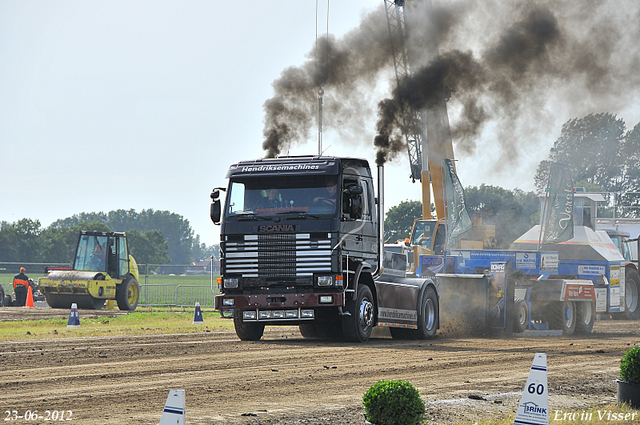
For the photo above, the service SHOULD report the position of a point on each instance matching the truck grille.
(278, 255)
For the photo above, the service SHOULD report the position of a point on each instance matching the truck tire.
(127, 294)
(631, 294)
(1, 296)
(521, 316)
(562, 316)
(8, 302)
(357, 326)
(247, 331)
(428, 315)
(585, 317)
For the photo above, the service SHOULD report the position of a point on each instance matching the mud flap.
(464, 303)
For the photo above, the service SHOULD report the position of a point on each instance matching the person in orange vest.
(20, 287)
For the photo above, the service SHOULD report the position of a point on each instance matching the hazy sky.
(145, 104)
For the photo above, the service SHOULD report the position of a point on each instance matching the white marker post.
(173, 413)
(534, 404)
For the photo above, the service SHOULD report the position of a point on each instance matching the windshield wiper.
(299, 214)
(251, 216)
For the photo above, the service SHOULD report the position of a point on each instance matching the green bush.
(393, 403)
(630, 366)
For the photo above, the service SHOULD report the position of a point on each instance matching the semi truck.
(301, 244)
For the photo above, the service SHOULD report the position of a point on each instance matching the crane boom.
(426, 153)
(411, 118)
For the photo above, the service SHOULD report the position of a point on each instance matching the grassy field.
(145, 320)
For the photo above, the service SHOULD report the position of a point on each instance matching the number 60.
(532, 388)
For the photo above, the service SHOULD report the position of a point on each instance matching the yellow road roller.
(102, 270)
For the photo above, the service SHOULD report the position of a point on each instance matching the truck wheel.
(563, 317)
(1, 296)
(427, 319)
(247, 331)
(631, 290)
(127, 294)
(358, 325)
(521, 316)
(585, 317)
(427, 315)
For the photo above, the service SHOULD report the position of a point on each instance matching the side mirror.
(215, 211)
(356, 207)
(353, 201)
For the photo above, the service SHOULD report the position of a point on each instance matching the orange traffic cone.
(29, 302)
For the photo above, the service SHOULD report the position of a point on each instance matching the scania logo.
(277, 228)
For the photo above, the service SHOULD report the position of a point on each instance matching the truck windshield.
(91, 253)
(280, 195)
(623, 246)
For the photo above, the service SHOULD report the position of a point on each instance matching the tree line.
(512, 212)
(603, 156)
(154, 237)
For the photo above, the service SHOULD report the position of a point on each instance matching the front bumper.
(279, 301)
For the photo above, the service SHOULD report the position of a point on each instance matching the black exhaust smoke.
(514, 66)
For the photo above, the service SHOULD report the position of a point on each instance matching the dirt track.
(285, 379)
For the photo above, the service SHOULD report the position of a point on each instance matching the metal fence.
(151, 294)
(169, 294)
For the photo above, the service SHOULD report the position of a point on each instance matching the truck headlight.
(231, 282)
(229, 302)
(325, 281)
(291, 314)
(265, 314)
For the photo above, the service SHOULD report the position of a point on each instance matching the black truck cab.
(299, 245)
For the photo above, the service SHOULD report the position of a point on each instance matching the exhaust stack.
(380, 219)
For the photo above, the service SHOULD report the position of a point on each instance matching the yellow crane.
(427, 152)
